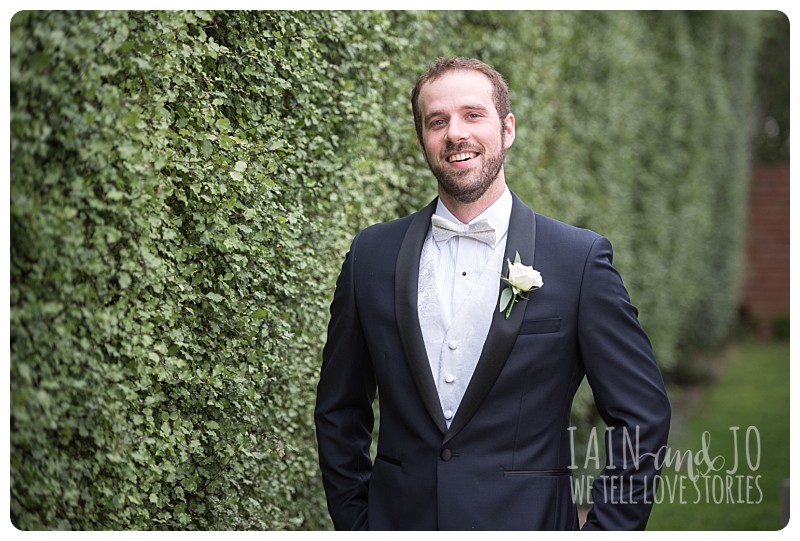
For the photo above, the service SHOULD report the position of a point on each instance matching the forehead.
(456, 89)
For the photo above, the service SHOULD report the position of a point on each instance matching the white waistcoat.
(454, 342)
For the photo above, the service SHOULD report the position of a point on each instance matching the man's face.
(463, 139)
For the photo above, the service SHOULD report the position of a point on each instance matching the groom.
(474, 400)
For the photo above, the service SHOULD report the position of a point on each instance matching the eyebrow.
(434, 114)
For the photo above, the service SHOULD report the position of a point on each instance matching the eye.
(473, 116)
(439, 122)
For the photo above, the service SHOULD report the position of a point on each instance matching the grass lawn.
(737, 486)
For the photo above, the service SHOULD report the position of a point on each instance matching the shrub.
(185, 184)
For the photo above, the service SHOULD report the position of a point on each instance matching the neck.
(466, 212)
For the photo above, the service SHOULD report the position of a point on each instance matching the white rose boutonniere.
(521, 279)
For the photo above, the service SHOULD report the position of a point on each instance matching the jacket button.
(446, 454)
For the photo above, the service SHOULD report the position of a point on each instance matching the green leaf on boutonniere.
(505, 298)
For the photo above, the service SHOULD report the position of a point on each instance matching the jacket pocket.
(388, 459)
(558, 472)
(540, 326)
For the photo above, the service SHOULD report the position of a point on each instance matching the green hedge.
(184, 186)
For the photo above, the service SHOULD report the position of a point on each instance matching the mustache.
(463, 147)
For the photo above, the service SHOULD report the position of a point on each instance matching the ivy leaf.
(223, 124)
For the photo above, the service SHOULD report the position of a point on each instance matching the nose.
(456, 130)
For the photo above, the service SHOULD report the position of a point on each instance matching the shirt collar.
(498, 214)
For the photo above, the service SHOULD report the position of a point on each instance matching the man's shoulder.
(391, 229)
(384, 237)
(556, 231)
(386, 230)
(547, 227)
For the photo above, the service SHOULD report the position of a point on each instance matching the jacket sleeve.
(343, 413)
(629, 393)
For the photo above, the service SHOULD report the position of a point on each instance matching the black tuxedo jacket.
(504, 463)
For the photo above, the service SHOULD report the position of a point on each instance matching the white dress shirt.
(460, 260)
(459, 284)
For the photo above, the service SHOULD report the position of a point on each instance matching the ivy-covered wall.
(184, 186)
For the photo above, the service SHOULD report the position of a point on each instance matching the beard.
(467, 186)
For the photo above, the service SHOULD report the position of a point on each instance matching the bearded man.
(476, 320)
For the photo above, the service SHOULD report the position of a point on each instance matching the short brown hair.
(455, 63)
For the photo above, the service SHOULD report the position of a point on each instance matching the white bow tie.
(444, 229)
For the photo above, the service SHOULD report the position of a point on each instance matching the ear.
(509, 129)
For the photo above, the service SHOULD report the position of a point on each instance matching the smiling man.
(461, 141)
(476, 320)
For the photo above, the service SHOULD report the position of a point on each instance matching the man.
(474, 400)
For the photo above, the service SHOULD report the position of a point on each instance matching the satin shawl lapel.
(502, 332)
(406, 280)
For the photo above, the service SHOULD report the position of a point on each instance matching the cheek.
(430, 148)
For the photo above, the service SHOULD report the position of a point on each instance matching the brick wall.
(765, 288)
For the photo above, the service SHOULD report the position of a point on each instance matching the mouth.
(461, 157)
